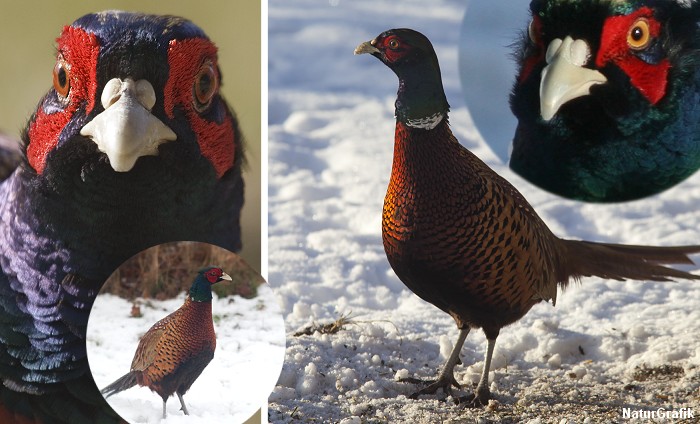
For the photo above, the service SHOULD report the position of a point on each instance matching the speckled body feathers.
(463, 238)
(460, 236)
(173, 352)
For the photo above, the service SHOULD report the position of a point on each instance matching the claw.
(446, 379)
(443, 382)
(479, 399)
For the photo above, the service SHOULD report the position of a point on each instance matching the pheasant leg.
(182, 402)
(164, 414)
(482, 394)
(446, 379)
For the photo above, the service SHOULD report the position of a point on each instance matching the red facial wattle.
(186, 59)
(79, 50)
(649, 78)
(393, 48)
(213, 275)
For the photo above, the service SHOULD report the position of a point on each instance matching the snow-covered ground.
(248, 358)
(606, 345)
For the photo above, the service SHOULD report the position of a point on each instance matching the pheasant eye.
(394, 44)
(61, 78)
(639, 35)
(206, 84)
(534, 29)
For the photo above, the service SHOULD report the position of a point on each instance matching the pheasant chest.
(454, 237)
(424, 217)
(195, 330)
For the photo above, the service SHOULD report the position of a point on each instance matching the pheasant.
(133, 146)
(464, 239)
(175, 350)
(9, 156)
(606, 98)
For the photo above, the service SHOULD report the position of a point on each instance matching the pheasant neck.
(201, 290)
(421, 101)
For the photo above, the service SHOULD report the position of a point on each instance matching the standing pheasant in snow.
(464, 239)
(133, 146)
(175, 350)
(607, 97)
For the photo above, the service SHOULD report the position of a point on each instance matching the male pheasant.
(10, 156)
(133, 146)
(175, 350)
(464, 239)
(606, 97)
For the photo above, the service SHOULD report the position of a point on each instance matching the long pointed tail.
(122, 383)
(621, 262)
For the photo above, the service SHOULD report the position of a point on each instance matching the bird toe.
(478, 399)
(444, 382)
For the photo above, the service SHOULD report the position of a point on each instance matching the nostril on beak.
(113, 100)
(111, 93)
(140, 90)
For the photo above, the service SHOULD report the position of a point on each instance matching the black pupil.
(62, 79)
(637, 33)
(204, 85)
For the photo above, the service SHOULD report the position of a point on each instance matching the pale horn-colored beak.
(366, 47)
(565, 78)
(126, 129)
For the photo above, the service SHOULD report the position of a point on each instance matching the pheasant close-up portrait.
(463, 238)
(133, 145)
(606, 97)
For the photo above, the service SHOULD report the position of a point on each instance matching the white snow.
(248, 357)
(330, 147)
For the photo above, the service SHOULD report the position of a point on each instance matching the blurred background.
(166, 271)
(27, 46)
(487, 67)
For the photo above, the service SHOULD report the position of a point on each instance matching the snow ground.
(248, 358)
(330, 146)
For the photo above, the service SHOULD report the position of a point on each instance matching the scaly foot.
(478, 399)
(444, 382)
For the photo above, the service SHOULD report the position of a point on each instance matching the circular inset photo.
(604, 94)
(185, 331)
